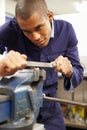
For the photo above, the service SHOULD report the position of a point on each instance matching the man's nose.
(35, 36)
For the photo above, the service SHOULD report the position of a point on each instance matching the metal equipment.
(41, 64)
(21, 99)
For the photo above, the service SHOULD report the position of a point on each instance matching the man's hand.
(64, 66)
(12, 62)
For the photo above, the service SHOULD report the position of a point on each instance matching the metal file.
(41, 64)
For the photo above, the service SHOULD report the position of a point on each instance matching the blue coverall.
(63, 43)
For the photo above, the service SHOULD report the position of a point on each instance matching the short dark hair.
(25, 8)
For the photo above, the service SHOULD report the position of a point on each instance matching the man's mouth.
(40, 43)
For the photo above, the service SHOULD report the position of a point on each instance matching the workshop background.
(74, 11)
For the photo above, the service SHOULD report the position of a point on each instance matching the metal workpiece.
(27, 125)
(64, 101)
(41, 64)
(21, 96)
(39, 74)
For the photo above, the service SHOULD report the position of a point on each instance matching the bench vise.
(21, 99)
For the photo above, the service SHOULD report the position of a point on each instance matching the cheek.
(47, 31)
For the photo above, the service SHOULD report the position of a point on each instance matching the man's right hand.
(12, 62)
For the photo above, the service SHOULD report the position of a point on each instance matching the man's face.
(37, 28)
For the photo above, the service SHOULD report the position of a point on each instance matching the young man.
(34, 35)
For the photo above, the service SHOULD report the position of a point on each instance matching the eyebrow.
(40, 25)
(25, 30)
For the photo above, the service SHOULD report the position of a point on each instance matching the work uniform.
(64, 42)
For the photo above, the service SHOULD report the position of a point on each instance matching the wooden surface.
(74, 125)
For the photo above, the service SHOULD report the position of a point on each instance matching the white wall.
(62, 6)
(2, 11)
(57, 6)
(10, 7)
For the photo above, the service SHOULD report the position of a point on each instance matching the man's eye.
(26, 32)
(39, 28)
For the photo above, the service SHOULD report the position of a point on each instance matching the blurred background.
(57, 6)
(74, 11)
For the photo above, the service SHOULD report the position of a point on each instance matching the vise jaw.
(21, 99)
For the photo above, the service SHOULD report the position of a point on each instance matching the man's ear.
(50, 15)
